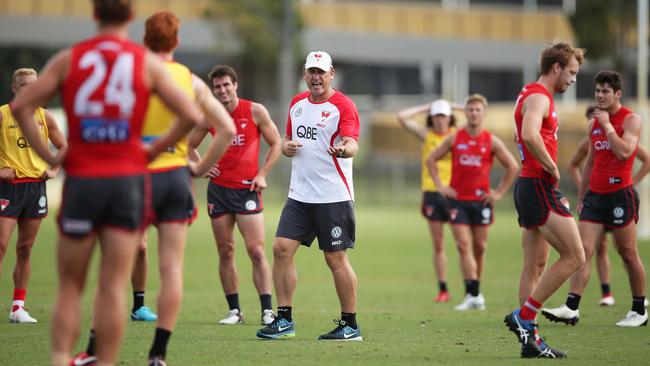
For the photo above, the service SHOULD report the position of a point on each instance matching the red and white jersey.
(316, 176)
(530, 167)
(240, 164)
(105, 100)
(610, 174)
(471, 161)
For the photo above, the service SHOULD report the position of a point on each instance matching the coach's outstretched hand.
(337, 151)
(290, 148)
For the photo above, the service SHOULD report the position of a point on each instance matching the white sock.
(20, 303)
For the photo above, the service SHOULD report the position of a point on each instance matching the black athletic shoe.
(543, 350)
(157, 361)
(527, 334)
(523, 329)
(343, 332)
(279, 328)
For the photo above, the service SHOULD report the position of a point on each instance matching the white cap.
(440, 106)
(320, 59)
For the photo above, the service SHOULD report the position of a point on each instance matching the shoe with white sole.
(18, 314)
(607, 301)
(634, 319)
(278, 329)
(471, 303)
(83, 359)
(144, 314)
(156, 361)
(562, 314)
(233, 317)
(342, 332)
(267, 317)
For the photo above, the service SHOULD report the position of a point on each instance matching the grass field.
(400, 323)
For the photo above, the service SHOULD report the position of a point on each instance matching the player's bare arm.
(534, 110)
(346, 148)
(432, 164)
(6, 173)
(586, 171)
(405, 118)
(511, 166)
(162, 84)
(193, 141)
(270, 134)
(57, 139)
(576, 162)
(40, 93)
(218, 117)
(622, 147)
(643, 155)
(290, 147)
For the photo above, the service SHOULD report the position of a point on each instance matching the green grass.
(400, 323)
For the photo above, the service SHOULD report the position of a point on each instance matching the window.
(496, 84)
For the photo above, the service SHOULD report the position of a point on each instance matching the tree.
(606, 28)
(259, 24)
(15, 57)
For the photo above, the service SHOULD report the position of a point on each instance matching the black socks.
(233, 301)
(159, 347)
(285, 312)
(573, 301)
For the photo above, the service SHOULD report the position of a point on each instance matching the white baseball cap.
(440, 106)
(319, 59)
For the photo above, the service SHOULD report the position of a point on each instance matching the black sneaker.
(157, 361)
(541, 350)
(343, 332)
(528, 334)
(279, 328)
(523, 329)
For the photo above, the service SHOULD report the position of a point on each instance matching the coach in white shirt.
(321, 138)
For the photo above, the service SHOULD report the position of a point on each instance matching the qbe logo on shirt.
(306, 132)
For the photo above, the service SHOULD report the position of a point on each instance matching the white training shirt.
(316, 176)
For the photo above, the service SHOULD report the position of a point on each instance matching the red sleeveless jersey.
(105, 99)
(609, 174)
(239, 165)
(471, 161)
(530, 167)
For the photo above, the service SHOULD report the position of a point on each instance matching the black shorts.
(90, 203)
(23, 201)
(223, 200)
(435, 206)
(535, 198)
(470, 213)
(172, 199)
(613, 210)
(332, 223)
